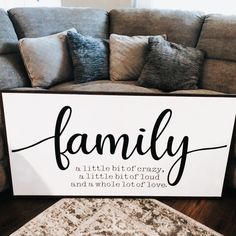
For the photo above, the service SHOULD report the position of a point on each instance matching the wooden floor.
(217, 213)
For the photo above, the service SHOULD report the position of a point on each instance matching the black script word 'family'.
(63, 162)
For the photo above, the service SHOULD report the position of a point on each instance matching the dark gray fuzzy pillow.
(89, 57)
(170, 66)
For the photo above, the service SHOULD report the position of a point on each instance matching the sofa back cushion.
(12, 72)
(218, 40)
(180, 26)
(42, 21)
(219, 75)
(8, 38)
(218, 37)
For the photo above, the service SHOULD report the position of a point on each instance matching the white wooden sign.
(118, 145)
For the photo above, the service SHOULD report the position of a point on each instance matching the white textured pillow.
(47, 59)
(127, 56)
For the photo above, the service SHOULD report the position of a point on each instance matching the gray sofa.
(215, 34)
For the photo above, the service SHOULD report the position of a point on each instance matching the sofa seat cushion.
(197, 92)
(122, 86)
(28, 89)
(104, 86)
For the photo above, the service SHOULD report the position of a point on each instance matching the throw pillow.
(89, 57)
(46, 59)
(127, 56)
(171, 66)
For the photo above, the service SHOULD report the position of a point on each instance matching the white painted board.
(64, 144)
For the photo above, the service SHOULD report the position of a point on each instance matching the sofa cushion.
(171, 66)
(127, 56)
(29, 89)
(197, 92)
(89, 57)
(180, 26)
(218, 37)
(12, 72)
(219, 75)
(29, 24)
(47, 59)
(8, 37)
(104, 86)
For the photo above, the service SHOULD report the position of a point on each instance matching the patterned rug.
(126, 217)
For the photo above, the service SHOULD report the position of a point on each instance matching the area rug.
(107, 216)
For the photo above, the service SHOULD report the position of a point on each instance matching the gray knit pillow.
(89, 57)
(170, 66)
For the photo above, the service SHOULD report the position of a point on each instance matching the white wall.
(207, 6)
(105, 4)
(7, 4)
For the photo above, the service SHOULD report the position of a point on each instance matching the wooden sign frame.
(101, 144)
